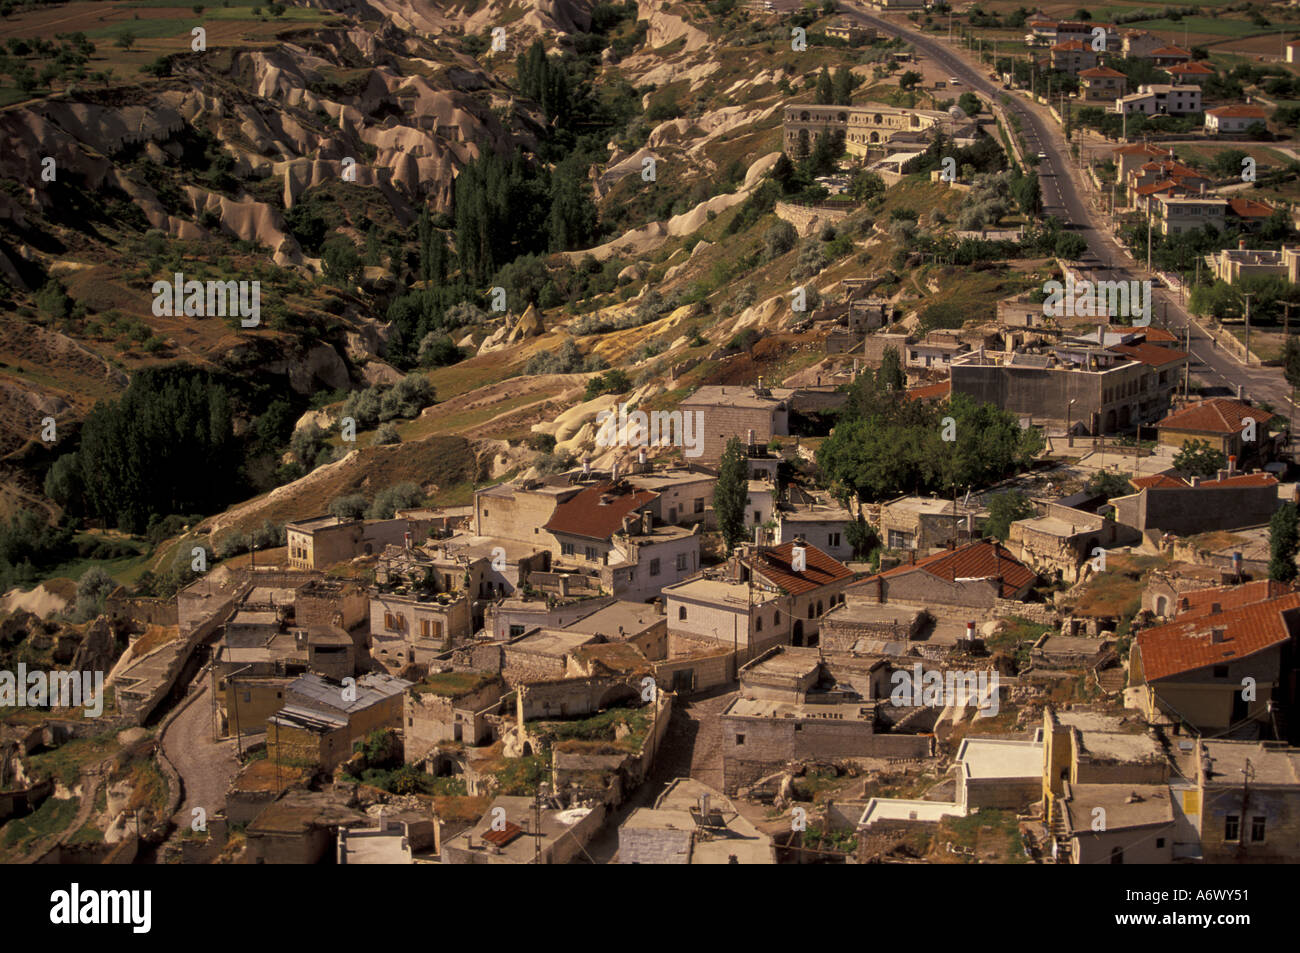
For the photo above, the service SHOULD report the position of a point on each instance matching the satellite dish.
(956, 112)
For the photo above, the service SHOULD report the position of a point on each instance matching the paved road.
(1065, 196)
(206, 767)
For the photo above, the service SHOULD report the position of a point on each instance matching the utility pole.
(1247, 773)
(1148, 236)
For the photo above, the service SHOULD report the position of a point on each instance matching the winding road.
(1064, 195)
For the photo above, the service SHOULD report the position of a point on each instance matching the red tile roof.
(1186, 644)
(1237, 112)
(1156, 335)
(1200, 68)
(1071, 46)
(776, 565)
(1219, 415)
(1097, 72)
(1152, 354)
(1141, 149)
(1201, 602)
(977, 560)
(1249, 208)
(597, 512)
(1171, 51)
(1162, 480)
(931, 391)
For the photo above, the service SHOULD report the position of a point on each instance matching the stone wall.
(568, 697)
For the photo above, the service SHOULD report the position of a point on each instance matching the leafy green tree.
(340, 260)
(350, 507)
(1110, 483)
(909, 79)
(1283, 540)
(731, 491)
(1004, 509)
(1198, 458)
(842, 87)
(861, 537)
(890, 374)
(825, 88)
(397, 497)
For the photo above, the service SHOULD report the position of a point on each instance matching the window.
(833, 539)
(758, 624)
(1117, 855)
(566, 549)
(681, 612)
(681, 562)
(1257, 828)
(1160, 842)
(590, 553)
(516, 631)
(699, 505)
(654, 567)
(1220, 671)
(394, 623)
(740, 739)
(1232, 828)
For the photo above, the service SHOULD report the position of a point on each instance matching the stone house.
(448, 706)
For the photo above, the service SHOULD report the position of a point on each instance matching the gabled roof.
(976, 560)
(1162, 480)
(776, 565)
(1150, 354)
(1142, 149)
(1237, 112)
(1219, 415)
(597, 512)
(1098, 72)
(1186, 645)
(1198, 68)
(1249, 208)
(1201, 602)
(1167, 481)
(1071, 46)
(1171, 51)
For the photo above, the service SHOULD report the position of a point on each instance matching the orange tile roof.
(1152, 354)
(1156, 335)
(1237, 112)
(1201, 601)
(1249, 208)
(597, 512)
(930, 391)
(1219, 415)
(1200, 68)
(1161, 480)
(1171, 51)
(1071, 46)
(976, 560)
(1186, 645)
(1141, 149)
(776, 565)
(1100, 71)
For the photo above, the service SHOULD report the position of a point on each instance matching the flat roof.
(554, 642)
(989, 758)
(860, 711)
(631, 617)
(904, 809)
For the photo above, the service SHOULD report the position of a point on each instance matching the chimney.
(970, 631)
(1196, 481)
(1232, 463)
(647, 521)
(613, 473)
(640, 456)
(586, 466)
(1218, 634)
(406, 540)
(704, 806)
(749, 440)
(1241, 244)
